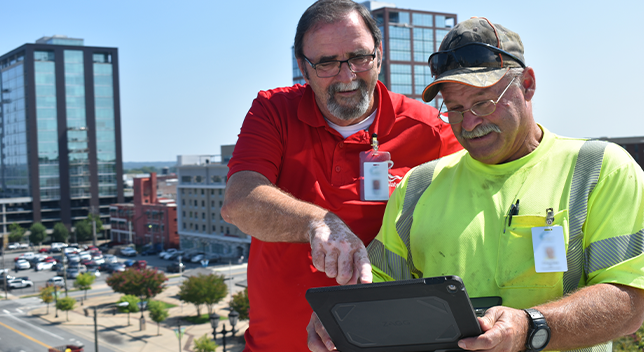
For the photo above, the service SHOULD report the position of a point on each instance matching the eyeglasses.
(468, 55)
(331, 68)
(482, 108)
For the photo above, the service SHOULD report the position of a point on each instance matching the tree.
(132, 307)
(66, 304)
(83, 230)
(60, 234)
(158, 313)
(16, 232)
(47, 295)
(141, 283)
(84, 282)
(38, 233)
(241, 304)
(205, 344)
(203, 289)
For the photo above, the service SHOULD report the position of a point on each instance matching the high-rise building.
(60, 132)
(408, 38)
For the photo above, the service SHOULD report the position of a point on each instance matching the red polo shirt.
(285, 138)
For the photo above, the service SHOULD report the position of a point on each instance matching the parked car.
(110, 258)
(140, 264)
(14, 245)
(19, 283)
(23, 245)
(56, 281)
(72, 273)
(128, 252)
(175, 267)
(167, 252)
(128, 263)
(174, 255)
(44, 266)
(197, 258)
(98, 259)
(44, 250)
(149, 251)
(85, 255)
(114, 267)
(22, 264)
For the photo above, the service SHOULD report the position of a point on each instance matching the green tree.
(66, 304)
(47, 295)
(84, 282)
(241, 304)
(132, 307)
(203, 289)
(205, 344)
(60, 234)
(83, 230)
(141, 283)
(38, 233)
(16, 232)
(158, 313)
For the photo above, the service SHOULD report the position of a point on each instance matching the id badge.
(374, 175)
(549, 249)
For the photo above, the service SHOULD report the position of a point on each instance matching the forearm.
(260, 209)
(593, 315)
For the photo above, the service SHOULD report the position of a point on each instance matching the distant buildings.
(408, 38)
(200, 196)
(60, 132)
(149, 219)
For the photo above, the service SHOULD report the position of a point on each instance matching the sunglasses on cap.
(468, 55)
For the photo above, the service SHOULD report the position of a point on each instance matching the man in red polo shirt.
(295, 176)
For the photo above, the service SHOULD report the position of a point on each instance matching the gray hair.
(331, 11)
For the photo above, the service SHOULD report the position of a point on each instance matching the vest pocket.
(515, 267)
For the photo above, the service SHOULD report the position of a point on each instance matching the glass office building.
(408, 38)
(60, 130)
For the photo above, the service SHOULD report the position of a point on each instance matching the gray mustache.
(480, 131)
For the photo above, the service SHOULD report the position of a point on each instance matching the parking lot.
(39, 278)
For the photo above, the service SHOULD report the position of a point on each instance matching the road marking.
(27, 336)
(19, 311)
(6, 311)
(52, 334)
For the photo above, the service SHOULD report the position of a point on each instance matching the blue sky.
(190, 69)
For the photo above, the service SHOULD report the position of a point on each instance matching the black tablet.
(429, 314)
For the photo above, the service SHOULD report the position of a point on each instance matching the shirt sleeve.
(260, 145)
(614, 240)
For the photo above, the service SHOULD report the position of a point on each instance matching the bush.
(205, 344)
(240, 304)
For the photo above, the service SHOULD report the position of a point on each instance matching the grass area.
(202, 319)
(166, 304)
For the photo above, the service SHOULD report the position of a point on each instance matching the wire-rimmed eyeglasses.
(481, 108)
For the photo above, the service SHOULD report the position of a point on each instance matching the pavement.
(115, 333)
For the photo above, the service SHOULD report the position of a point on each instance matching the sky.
(189, 70)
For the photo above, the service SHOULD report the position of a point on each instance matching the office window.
(422, 19)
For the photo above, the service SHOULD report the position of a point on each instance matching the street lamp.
(233, 316)
(56, 299)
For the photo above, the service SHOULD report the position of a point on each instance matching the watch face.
(539, 339)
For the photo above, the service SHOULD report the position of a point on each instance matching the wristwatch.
(538, 331)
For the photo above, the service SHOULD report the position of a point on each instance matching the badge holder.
(374, 173)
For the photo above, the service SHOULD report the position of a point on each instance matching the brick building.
(150, 219)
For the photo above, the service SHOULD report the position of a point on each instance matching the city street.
(25, 325)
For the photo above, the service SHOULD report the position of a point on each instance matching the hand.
(318, 339)
(504, 329)
(338, 252)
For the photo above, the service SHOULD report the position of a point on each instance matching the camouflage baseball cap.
(478, 30)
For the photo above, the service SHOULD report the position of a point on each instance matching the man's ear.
(528, 83)
(302, 66)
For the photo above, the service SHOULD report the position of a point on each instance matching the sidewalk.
(115, 333)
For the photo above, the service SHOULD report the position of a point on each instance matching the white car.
(56, 281)
(14, 245)
(197, 258)
(110, 258)
(44, 266)
(23, 245)
(98, 259)
(22, 264)
(167, 252)
(85, 255)
(28, 256)
(128, 252)
(19, 283)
